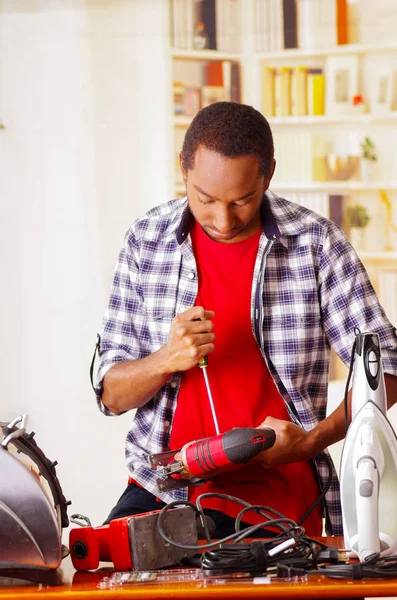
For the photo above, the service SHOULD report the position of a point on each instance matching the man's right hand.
(132, 383)
(191, 338)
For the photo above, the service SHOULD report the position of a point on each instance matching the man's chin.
(218, 236)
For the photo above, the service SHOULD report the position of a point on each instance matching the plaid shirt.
(310, 292)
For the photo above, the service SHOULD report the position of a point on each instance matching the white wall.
(82, 97)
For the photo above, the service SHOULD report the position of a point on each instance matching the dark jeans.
(135, 500)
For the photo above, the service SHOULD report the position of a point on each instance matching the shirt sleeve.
(349, 302)
(124, 334)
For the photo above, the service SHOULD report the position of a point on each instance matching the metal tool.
(203, 364)
(204, 459)
(32, 508)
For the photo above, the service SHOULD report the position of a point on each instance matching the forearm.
(333, 428)
(132, 383)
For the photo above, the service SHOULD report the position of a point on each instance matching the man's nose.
(223, 221)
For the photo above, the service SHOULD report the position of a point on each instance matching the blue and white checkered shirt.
(310, 292)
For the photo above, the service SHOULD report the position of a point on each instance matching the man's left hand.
(292, 443)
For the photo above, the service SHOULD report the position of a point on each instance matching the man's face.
(225, 195)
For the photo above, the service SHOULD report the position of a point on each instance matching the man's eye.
(205, 200)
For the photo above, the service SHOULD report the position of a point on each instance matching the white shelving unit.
(382, 127)
(345, 49)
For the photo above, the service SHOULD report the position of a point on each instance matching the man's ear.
(183, 170)
(268, 178)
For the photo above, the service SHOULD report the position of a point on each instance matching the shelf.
(185, 54)
(382, 255)
(182, 121)
(344, 49)
(333, 119)
(338, 186)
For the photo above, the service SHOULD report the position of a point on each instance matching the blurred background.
(95, 98)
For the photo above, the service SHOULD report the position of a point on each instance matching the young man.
(264, 288)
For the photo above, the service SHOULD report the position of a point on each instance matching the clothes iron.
(33, 509)
(368, 474)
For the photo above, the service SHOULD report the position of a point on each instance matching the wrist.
(162, 363)
(314, 442)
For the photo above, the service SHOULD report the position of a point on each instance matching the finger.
(196, 312)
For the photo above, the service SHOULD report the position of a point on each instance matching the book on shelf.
(178, 89)
(222, 73)
(315, 92)
(206, 24)
(228, 19)
(268, 87)
(299, 90)
(211, 94)
(282, 94)
(293, 91)
(290, 24)
(235, 83)
(300, 158)
(377, 21)
(192, 101)
(311, 24)
(322, 23)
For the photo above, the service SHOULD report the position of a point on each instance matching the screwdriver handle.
(203, 362)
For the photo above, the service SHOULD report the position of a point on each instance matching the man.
(264, 288)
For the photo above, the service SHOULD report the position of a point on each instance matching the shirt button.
(173, 384)
(167, 424)
(191, 275)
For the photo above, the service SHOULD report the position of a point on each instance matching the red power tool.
(204, 459)
(134, 542)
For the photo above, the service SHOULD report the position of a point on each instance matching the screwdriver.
(203, 364)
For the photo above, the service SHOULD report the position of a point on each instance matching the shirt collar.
(279, 218)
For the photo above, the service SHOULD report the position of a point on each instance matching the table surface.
(77, 585)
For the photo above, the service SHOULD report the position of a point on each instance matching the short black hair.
(230, 129)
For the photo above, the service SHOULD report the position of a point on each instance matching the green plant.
(356, 216)
(368, 149)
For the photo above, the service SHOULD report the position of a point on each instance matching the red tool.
(206, 458)
(134, 542)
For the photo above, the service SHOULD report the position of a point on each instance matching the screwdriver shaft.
(207, 384)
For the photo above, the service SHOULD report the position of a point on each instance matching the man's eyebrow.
(213, 198)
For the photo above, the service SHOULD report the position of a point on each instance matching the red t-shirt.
(242, 388)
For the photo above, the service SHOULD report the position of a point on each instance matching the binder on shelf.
(192, 101)
(211, 94)
(218, 73)
(268, 86)
(342, 23)
(299, 91)
(336, 209)
(179, 98)
(179, 23)
(283, 92)
(227, 25)
(276, 25)
(315, 92)
(317, 24)
(208, 18)
(214, 72)
(235, 85)
(262, 26)
(290, 23)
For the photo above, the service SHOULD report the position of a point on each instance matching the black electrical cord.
(374, 568)
(287, 526)
(349, 376)
(282, 524)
